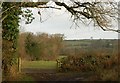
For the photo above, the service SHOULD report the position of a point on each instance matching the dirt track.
(53, 75)
(32, 70)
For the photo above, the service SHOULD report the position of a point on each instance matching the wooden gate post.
(19, 64)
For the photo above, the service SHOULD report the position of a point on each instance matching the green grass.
(39, 64)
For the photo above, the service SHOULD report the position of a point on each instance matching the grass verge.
(39, 64)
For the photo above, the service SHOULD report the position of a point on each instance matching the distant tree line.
(77, 47)
(40, 46)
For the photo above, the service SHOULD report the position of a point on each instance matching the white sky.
(59, 21)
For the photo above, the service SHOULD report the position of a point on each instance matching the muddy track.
(32, 70)
(53, 75)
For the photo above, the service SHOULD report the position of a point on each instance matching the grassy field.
(39, 64)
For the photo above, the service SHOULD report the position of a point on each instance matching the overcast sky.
(59, 21)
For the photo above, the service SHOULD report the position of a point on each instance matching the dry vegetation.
(97, 56)
(104, 66)
(40, 47)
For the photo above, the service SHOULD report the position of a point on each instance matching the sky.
(60, 21)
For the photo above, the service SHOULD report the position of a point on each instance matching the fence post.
(19, 64)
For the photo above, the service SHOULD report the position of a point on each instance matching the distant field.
(76, 43)
(87, 42)
(39, 64)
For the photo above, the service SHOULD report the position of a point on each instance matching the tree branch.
(49, 7)
(94, 11)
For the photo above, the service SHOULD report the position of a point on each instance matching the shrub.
(88, 63)
(78, 63)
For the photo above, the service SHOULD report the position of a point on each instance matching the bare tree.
(102, 14)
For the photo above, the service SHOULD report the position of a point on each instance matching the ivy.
(10, 32)
(28, 15)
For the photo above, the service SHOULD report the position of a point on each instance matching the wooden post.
(19, 64)
(57, 63)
